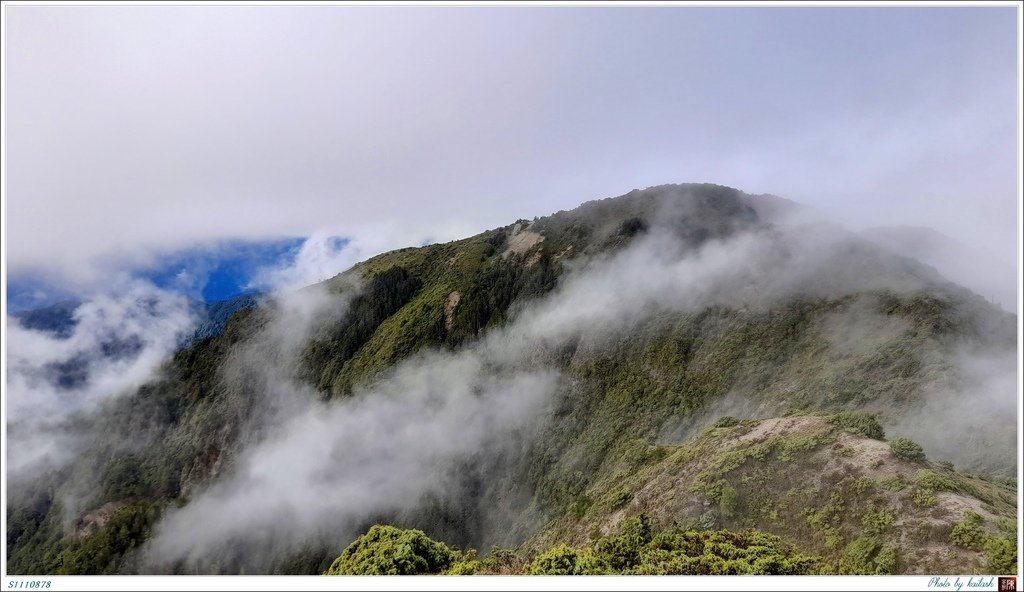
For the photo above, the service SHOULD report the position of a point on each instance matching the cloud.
(324, 254)
(119, 341)
(320, 257)
(227, 123)
(305, 471)
(969, 417)
(985, 273)
(331, 466)
(322, 468)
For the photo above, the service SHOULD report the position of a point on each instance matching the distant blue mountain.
(31, 291)
(57, 319)
(216, 278)
(211, 273)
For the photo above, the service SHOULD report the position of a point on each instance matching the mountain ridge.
(658, 311)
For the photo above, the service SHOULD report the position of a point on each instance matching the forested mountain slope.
(541, 382)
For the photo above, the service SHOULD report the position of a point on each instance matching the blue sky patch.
(210, 273)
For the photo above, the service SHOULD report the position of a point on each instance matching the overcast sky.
(134, 129)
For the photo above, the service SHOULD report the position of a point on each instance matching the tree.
(386, 550)
(906, 449)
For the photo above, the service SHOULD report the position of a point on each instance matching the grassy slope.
(836, 494)
(797, 494)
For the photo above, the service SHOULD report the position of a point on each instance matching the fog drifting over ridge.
(323, 468)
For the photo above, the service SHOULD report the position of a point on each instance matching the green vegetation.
(877, 522)
(637, 548)
(844, 451)
(868, 553)
(928, 479)
(925, 498)
(860, 555)
(1001, 555)
(727, 501)
(1000, 551)
(620, 440)
(726, 422)
(907, 449)
(865, 424)
(968, 532)
(566, 561)
(101, 553)
(100, 550)
(330, 346)
(781, 475)
(386, 550)
(889, 482)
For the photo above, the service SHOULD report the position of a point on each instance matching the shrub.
(726, 422)
(1007, 525)
(890, 482)
(637, 528)
(967, 533)
(578, 507)
(844, 451)
(623, 550)
(635, 549)
(503, 561)
(632, 227)
(386, 550)
(101, 552)
(861, 423)
(566, 561)
(906, 449)
(720, 552)
(728, 503)
(886, 560)
(867, 555)
(859, 554)
(932, 480)
(463, 568)
(877, 522)
(1001, 555)
(620, 497)
(925, 498)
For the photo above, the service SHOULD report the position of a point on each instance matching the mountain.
(856, 504)
(57, 319)
(75, 369)
(215, 315)
(671, 356)
(978, 269)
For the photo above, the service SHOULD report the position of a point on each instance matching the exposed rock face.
(95, 520)
(449, 308)
(522, 240)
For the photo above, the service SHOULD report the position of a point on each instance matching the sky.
(137, 133)
(221, 272)
(207, 273)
